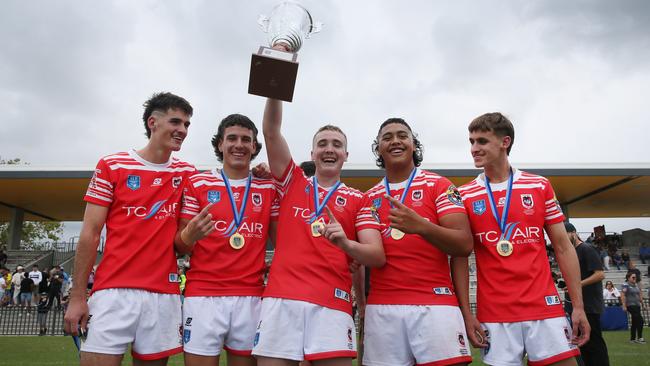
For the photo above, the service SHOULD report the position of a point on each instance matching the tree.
(36, 235)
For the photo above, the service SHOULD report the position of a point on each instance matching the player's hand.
(475, 332)
(334, 232)
(404, 218)
(581, 328)
(281, 47)
(76, 316)
(262, 170)
(199, 227)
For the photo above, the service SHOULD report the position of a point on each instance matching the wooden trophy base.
(273, 74)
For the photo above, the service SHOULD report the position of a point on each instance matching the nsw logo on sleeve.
(552, 300)
(133, 182)
(341, 294)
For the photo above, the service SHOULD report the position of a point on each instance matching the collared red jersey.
(517, 287)
(143, 201)
(416, 272)
(308, 268)
(218, 269)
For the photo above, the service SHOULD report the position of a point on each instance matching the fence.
(17, 320)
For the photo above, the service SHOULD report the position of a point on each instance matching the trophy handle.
(263, 21)
(315, 28)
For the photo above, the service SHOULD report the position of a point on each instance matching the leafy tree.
(36, 235)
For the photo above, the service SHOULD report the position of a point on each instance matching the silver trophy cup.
(274, 69)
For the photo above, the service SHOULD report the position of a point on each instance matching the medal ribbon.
(406, 189)
(320, 206)
(401, 199)
(238, 216)
(506, 230)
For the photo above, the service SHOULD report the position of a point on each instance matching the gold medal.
(237, 241)
(504, 248)
(396, 234)
(316, 228)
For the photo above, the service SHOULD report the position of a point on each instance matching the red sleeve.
(447, 198)
(102, 186)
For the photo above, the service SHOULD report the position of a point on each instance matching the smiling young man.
(517, 302)
(306, 312)
(225, 282)
(412, 316)
(136, 194)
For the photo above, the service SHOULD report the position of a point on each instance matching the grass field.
(51, 351)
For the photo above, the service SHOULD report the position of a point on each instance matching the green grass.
(54, 351)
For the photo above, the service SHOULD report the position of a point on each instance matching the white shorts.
(215, 322)
(297, 330)
(401, 335)
(149, 320)
(545, 341)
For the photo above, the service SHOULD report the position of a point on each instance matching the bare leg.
(198, 360)
(159, 362)
(93, 359)
(270, 361)
(236, 360)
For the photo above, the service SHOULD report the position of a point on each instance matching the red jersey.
(217, 268)
(517, 287)
(143, 201)
(416, 272)
(308, 268)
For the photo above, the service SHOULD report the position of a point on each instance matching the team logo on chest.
(478, 207)
(416, 195)
(527, 201)
(176, 181)
(256, 197)
(214, 196)
(341, 201)
(133, 182)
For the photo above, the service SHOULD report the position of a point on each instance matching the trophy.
(273, 71)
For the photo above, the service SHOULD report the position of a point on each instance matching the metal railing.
(16, 320)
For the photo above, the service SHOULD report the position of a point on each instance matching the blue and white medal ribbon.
(395, 233)
(504, 246)
(315, 224)
(236, 240)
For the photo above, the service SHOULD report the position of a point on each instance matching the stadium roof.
(596, 190)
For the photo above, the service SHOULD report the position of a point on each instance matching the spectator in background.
(632, 269)
(54, 289)
(594, 352)
(610, 292)
(644, 252)
(617, 260)
(41, 317)
(91, 278)
(44, 285)
(36, 276)
(625, 257)
(9, 289)
(632, 300)
(16, 279)
(3, 258)
(3, 286)
(26, 288)
(604, 257)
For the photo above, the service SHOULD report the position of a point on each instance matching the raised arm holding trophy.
(274, 69)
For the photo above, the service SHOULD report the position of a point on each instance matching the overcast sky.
(573, 76)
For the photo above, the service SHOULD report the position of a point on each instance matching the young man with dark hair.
(323, 225)
(518, 305)
(422, 221)
(224, 286)
(137, 195)
(594, 352)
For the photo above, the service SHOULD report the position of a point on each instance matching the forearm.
(180, 244)
(84, 260)
(371, 255)
(460, 279)
(455, 242)
(595, 277)
(277, 148)
(568, 262)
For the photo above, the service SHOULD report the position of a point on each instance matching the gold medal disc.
(237, 241)
(504, 248)
(396, 234)
(316, 228)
